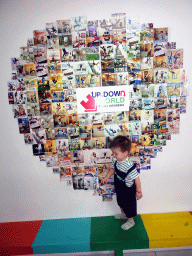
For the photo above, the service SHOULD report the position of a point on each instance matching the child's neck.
(123, 159)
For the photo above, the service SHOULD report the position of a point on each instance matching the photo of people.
(19, 110)
(23, 123)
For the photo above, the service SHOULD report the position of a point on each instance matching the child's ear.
(126, 152)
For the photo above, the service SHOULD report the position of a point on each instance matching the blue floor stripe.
(63, 236)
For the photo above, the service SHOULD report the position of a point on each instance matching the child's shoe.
(121, 216)
(127, 225)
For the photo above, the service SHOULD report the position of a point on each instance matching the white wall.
(30, 191)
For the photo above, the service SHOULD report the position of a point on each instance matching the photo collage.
(77, 53)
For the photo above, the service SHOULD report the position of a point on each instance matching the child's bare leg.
(130, 219)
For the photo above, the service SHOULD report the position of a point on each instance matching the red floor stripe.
(16, 238)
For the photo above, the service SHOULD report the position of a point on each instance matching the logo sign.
(103, 99)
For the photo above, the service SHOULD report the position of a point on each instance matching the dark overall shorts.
(126, 196)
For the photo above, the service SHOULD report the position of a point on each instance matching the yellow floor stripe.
(168, 229)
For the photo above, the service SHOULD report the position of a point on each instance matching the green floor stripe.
(106, 234)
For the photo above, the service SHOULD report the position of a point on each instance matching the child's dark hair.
(122, 142)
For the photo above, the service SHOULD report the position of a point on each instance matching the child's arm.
(138, 188)
(109, 174)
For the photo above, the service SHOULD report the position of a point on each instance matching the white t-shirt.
(124, 166)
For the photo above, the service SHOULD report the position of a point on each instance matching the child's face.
(119, 154)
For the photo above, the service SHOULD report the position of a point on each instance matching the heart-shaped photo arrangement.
(71, 55)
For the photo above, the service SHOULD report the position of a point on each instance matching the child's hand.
(104, 180)
(139, 195)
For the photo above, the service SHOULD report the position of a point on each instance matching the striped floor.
(96, 234)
